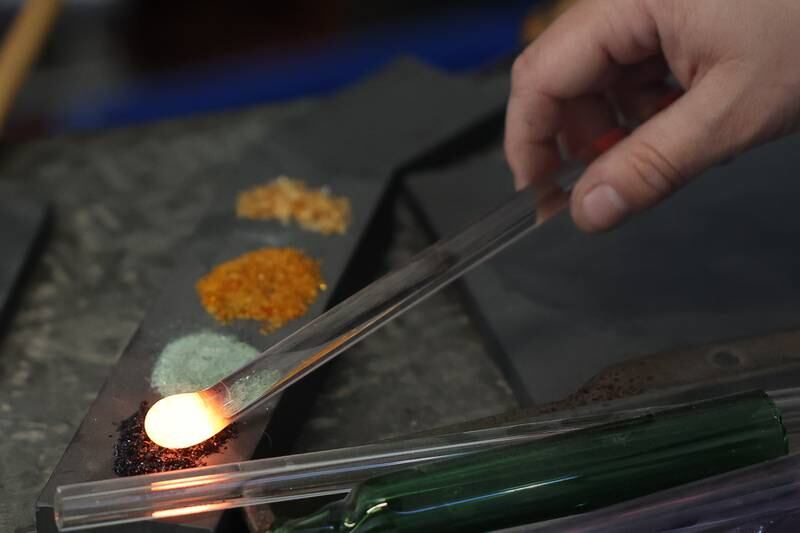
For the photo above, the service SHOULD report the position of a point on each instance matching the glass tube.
(348, 322)
(763, 498)
(184, 492)
(565, 474)
(344, 325)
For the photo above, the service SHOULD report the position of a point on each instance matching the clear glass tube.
(763, 498)
(184, 492)
(356, 317)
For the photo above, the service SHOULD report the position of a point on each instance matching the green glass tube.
(564, 474)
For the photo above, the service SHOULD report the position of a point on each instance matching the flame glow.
(182, 420)
(192, 509)
(195, 481)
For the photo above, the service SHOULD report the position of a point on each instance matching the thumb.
(663, 154)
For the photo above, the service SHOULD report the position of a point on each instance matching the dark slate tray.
(22, 219)
(177, 311)
(391, 121)
(719, 261)
(388, 111)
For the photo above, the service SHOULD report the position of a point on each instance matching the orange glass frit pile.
(287, 199)
(271, 285)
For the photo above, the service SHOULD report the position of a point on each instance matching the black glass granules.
(135, 453)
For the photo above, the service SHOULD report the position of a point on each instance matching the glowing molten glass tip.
(182, 420)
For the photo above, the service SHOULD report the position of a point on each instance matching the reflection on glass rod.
(763, 498)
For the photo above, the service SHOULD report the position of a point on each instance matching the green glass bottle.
(565, 474)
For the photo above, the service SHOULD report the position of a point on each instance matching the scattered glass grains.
(198, 360)
(135, 453)
(271, 285)
(287, 199)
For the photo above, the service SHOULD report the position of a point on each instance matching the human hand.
(737, 60)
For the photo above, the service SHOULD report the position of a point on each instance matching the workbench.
(123, 201)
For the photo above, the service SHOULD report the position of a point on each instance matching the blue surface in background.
(463, 39)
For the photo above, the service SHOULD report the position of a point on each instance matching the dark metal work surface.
(768, 362)
(719, 261)
(383, 122)
(124, 204)
(22, 219)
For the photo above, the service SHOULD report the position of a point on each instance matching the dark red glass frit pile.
(135, 453)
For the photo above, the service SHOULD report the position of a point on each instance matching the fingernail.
(603, 207)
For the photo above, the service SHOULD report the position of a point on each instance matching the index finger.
(579, 54)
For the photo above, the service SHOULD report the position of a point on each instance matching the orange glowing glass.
(183, 420)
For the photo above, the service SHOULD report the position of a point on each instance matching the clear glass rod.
(186, 492)
(356, 317)
(763, 498)
(213, 488)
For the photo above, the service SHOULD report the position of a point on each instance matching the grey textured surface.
(122, 202)
(22, 218)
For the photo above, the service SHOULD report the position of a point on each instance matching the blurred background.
(108, 63)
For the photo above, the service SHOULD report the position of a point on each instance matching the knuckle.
(653, 171)
(520, 67)
(676, 13)
(527, 69)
